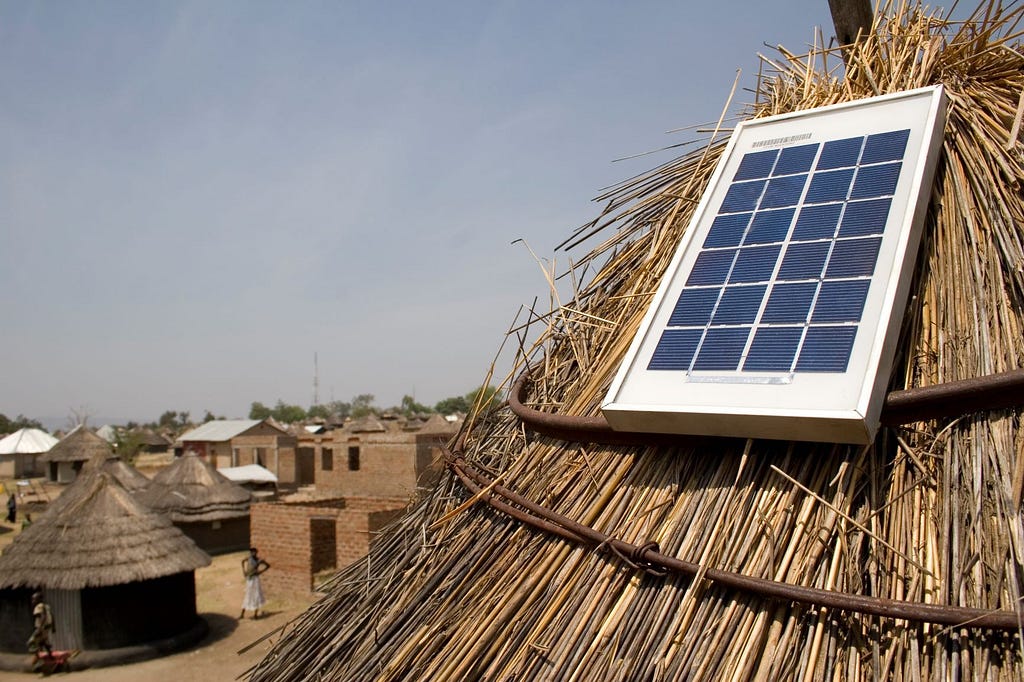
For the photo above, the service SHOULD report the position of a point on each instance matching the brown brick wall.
(290, 536)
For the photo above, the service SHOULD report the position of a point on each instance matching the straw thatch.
(81, 445)
(130, 478)
(95, 535)
(191, 490)
(930, 512)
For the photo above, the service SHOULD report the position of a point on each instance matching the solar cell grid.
(781, 279)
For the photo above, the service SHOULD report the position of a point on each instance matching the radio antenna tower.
(316, 381)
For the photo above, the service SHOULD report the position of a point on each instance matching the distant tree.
(210, 416)
(173, 421)
(259, 411)
(318, 412)
(19, 422)
(127, 443)
(452, 405)
(339, 409)
(78, 417)
(410, 407)
(486, 396)
(362, 405)
(287, 414)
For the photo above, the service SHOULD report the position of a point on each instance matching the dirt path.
(219, 589)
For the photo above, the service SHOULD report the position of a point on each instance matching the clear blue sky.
(195, 197)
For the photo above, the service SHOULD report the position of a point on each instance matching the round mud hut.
(556, 548)
(65, 459)
(119, 578)
(202, 502)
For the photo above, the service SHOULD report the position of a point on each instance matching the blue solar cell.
(817, 222)
(840, 301)
(755, 264)
(694, 307)
(789, 303)
(840, 153)
(727, 230)
(675, 349)
(722, 348)
(885, 146)
(742, 196)
(756, 165)
(739, 305)
(876, 181)
(804, 261)
(770, 226)
(773, 349)
(865, 217)
(826, 349)
(796, 159)
(829, 186)
(784, 191)
(829, 248)
(711, 267)
(853, 258)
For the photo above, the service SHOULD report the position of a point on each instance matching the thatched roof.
(192, 490)
(94, 535)
(928, 514)
(127, 475)
(82, 444)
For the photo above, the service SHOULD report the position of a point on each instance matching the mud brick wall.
(291, 536)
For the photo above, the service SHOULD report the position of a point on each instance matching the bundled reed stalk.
(929, 512)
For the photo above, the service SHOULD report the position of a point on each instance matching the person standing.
(42, 626)
(252, 567)
(12, 508)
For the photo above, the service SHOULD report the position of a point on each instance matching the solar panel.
(779, 313)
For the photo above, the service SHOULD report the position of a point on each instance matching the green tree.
(318, 412)
(259, 411)
(172, 420)
(127, 444)
(452, 405)
(362, 405)
(210, 416)
(287, 414)
(410, 407)
(486, 396)
(19, 422)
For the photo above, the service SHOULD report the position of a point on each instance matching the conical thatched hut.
(128, 476)
(561, 556)
(67, 457)
(202, 502)
(117, 576)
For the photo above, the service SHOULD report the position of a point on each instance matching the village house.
(237, 442)
(365, 474)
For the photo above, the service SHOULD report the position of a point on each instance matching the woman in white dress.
(252, 567)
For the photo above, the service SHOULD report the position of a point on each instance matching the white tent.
(19, 450)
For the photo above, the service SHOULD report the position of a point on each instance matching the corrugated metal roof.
(27, 442)
(250, 473)
(219, 430)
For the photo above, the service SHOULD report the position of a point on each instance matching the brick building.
(364, 473)
(376, 456)
(237, 442)
(302, 539)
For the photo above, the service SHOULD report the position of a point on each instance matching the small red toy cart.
(52, 662)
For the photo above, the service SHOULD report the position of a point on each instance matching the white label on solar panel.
(779, 314)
